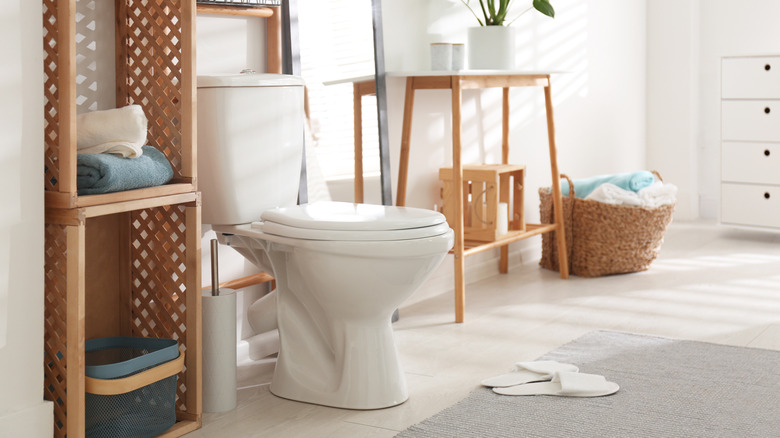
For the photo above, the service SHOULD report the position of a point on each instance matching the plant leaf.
(544, 7)
(466, 2)
(484, 12)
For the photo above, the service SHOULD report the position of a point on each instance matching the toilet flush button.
(248, 71)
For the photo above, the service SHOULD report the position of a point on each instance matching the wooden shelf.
(75, 216)
(64, 200)
(247, 11)
(472, 247)
(125, 263)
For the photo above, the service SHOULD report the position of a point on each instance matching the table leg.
(457, 182)
(503, 266)
(505, 127)
(563, 262)
(406, 135)
(357, 98)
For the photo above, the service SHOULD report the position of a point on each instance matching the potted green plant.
(495, 11)
(491, 44)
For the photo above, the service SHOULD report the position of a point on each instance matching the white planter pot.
(491, 48)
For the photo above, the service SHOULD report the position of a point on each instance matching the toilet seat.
(341, 221)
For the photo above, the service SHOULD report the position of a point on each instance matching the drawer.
(748, 204)
(750, 78)
(750, 120)
(750, 162)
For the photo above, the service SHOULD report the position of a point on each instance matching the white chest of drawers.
(750, 141)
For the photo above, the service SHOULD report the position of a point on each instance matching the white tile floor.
(710, 283)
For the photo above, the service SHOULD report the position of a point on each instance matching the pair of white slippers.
(550, 378)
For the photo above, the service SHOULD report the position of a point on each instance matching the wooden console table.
(457, 82)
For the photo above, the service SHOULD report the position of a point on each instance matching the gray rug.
(668, 388)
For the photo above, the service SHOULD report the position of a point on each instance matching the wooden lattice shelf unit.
(127, 263)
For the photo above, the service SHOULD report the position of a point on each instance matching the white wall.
(672, 91)
(749, 27)
(599, 101)
(22, 409)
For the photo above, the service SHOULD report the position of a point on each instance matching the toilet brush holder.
(219, 350)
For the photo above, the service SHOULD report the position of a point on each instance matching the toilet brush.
(214, 267)
(219, 343)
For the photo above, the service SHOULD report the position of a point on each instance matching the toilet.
(341, 269)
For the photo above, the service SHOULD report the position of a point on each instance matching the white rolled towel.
(609, 193)
(120, 131)
(658, 194)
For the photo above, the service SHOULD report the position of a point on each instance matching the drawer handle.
(766, 195)
(767, 67)
(767, 110)
(766, 152)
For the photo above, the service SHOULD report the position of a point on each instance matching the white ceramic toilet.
(341, 269)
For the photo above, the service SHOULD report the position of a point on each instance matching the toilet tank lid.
(249, 80)
(353, 217)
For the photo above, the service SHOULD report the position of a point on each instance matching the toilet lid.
(346, 221)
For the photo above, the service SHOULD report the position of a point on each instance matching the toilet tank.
(250, 144)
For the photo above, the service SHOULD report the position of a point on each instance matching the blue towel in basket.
(108, 173)
(634, 182)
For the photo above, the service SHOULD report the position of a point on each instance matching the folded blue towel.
(627, 181)
(107, 173)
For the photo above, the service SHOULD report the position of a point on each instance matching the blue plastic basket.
(131, 386)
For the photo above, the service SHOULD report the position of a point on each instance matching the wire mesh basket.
(131, 386)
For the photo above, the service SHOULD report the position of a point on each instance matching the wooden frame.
(488, 185)
(125, 263)
(273, 30)
(456, 82)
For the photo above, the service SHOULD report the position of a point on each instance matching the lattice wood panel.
(55, 324)
(158, 291)
(51, 94)
(151, 57)
(155, 69)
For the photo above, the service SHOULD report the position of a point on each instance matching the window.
(336, 39)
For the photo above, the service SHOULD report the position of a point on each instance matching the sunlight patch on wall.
(542, 44)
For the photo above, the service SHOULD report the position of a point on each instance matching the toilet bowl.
(338, 282)
(341, 269)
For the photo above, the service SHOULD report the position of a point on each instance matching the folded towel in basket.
(120, 131)
(107, 173)
(658, 194)
(627, 181)
(609, 193)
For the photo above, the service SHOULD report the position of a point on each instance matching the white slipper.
(525, 372)
(565, 384)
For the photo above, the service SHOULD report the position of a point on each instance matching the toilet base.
(362, 373)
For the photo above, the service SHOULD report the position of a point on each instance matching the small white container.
(441, 56)
(458, 56)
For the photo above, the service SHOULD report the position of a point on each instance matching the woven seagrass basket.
(603, 239)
